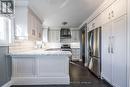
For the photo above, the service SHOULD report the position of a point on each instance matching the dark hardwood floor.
(80, 77)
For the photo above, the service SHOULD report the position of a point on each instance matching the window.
(5, 28)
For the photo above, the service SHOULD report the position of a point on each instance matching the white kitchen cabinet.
(97, 22)
(119, 36)
(106, 16)
(106, 55)
(116, 10)
(54, 36)
(47, 67)
(45, 35)
(114, 52)
(75, 54)
(23, 66)
(37, 69)
(75, 36)
(91, 25)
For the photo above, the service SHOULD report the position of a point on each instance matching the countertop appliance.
(94, 51)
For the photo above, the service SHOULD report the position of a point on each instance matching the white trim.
(128, 43)
(40, 80)
(8, 84)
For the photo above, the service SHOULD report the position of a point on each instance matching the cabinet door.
(88, 27)
(75, 36)
(57, 32)
(51, 36)
(118, 9)
(98, 21)
(54, 36)
(106, 16)
(23, 66)
(119, 52)
(106, 55)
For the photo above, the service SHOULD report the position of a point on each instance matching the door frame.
(128, 42)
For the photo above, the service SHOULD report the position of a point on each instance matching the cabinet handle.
(112, 13)
(109, 16)
(112, 51)
(109, 45)
(112, 48)
(108, 49)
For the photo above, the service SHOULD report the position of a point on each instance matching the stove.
(65, 47)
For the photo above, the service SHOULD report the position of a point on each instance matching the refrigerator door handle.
(112, 42)
(109, 45)
(109, 49)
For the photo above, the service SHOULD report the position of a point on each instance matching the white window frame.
(5, 42)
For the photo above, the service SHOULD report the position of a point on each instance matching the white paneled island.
(40, 67)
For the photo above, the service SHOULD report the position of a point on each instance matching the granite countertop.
(41, 52)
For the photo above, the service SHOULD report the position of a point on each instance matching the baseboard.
(8, 84)
(41, 80)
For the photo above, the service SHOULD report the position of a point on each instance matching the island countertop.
(40, 52)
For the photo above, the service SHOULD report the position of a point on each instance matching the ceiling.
(54, 12)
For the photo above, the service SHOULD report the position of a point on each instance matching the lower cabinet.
(23, 66)
(48, 67)
(40, 69)
(114, 37)
(75, 54)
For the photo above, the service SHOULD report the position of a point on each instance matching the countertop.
(40, 52)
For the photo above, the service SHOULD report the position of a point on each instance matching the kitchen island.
(40, 67)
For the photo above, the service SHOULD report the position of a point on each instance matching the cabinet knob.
(93, 25)
(109, 16)
(112, 13)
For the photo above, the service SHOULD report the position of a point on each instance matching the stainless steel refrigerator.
(94, 51)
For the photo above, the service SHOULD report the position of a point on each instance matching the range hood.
(65, 33)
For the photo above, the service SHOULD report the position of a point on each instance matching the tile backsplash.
(22, 45)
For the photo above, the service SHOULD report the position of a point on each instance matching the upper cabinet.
(75, 36)
(54, 36)
(114, 11)
(118, 9)
(97, 22)
(91, 25)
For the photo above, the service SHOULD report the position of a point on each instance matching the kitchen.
(50, 43)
